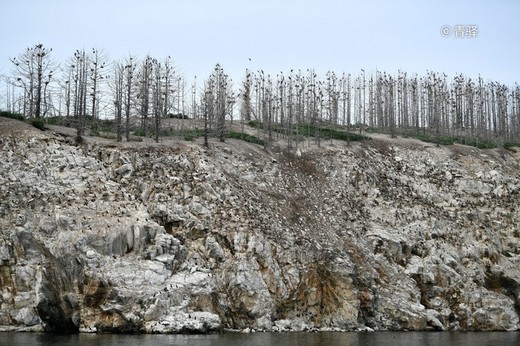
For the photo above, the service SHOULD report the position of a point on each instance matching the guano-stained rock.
(177, 239)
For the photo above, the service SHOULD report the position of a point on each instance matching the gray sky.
(278, 35)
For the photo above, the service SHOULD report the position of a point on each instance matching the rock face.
(384, 235)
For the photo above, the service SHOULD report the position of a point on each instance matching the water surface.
(265, 339)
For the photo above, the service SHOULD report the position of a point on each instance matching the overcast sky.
(277, 35)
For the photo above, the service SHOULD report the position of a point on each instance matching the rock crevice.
(167, 239)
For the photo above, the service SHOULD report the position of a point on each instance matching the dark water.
(265, 339)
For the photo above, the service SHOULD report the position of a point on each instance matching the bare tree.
(332, 98)
(128, 82)
(245, 95)
(68, 73)
(168, 76)
(222, 94)
(34, 69)
(162, 92)
(118, 89)
(379, 101)
(79, 64)
(290, 111)
(157, 97)
(98, 61)
(481, 118)
(144, 79)
(208, 106)
(194, 98)
(11, 97)
(282, 107)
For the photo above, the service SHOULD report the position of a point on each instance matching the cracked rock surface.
(383, 235)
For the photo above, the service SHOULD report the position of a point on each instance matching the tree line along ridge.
(136, 96)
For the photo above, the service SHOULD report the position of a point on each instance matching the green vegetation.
(245, 137)
(11, 115)
(309, 130)
(509, 145)
(330, 133)
(106, 129)
(88, 121)
(192, 134)
(450, 140)
(54, 120)
(178, 116)
(255, 123)
(443, 139)
(164, 132)
(38, 123)
(474, 142)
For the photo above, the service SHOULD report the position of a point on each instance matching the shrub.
(447, 140)
(95, 132)
(11, 115)
(38, 123)
(509, 145)
(475, 142)
(191, 135)
(53, 120)
(138, 132)
(309, 130)
(177, 116)
(245, 137)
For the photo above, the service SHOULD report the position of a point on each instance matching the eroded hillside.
(385, 234)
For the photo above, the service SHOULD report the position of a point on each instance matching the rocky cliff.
(383, 235)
